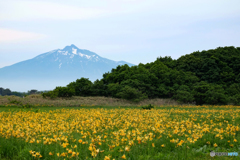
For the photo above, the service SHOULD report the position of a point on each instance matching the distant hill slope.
(57, 67)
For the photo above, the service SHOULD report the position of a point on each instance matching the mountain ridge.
(67, 64)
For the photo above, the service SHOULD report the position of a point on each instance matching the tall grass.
(78, 101)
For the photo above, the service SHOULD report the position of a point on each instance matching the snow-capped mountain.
(56, 68)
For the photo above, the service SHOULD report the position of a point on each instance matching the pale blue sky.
(136, 31)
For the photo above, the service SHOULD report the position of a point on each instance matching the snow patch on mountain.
(74, 51)
(52, 51)
(80, 54)
(63, 52)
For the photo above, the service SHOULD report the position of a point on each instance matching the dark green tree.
(132, 94)
(183, 94)
(206, 93)
(82, 87)
(113, 89)
(7, 92)
(99, 88)
(33, 91)
(1, 91)
(64, 92)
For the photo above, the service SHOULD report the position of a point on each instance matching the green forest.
(207, 77)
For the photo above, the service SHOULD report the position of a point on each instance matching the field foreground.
(174, 132)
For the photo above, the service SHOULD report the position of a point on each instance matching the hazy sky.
(136, 31)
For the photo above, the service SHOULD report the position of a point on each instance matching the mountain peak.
(68, 48)
(72, 45)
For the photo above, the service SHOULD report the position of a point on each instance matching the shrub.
(27, 106)
(59, 92)
(149, 107)
(51, 94)
(65, 92)
(82, 87)
(235, 99)
(130, 93)
(113, 89)
(208, 93)
(183, 94)
(216, 95)
(15, 102)
(233, 89)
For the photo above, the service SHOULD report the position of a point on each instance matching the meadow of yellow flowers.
(120, 133)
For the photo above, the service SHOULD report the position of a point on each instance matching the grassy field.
(117, 132)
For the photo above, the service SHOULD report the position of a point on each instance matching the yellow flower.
(90, 148)
(80, 141)
(127, 149)
(162, 145)
(235, 140)
(107, 158)
(50, 153)
(94, 154)
(123, 157)
(153, 145)
(70, 151)
(97, 150)
(180, 143)
(63, 154)
(73, 154)
(64, 145)
(215, 145)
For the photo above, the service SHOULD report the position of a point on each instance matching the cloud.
(38, 10)
(8, 35)
(22, 10)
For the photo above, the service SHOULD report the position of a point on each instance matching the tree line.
(8, 92)
(206, 77)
